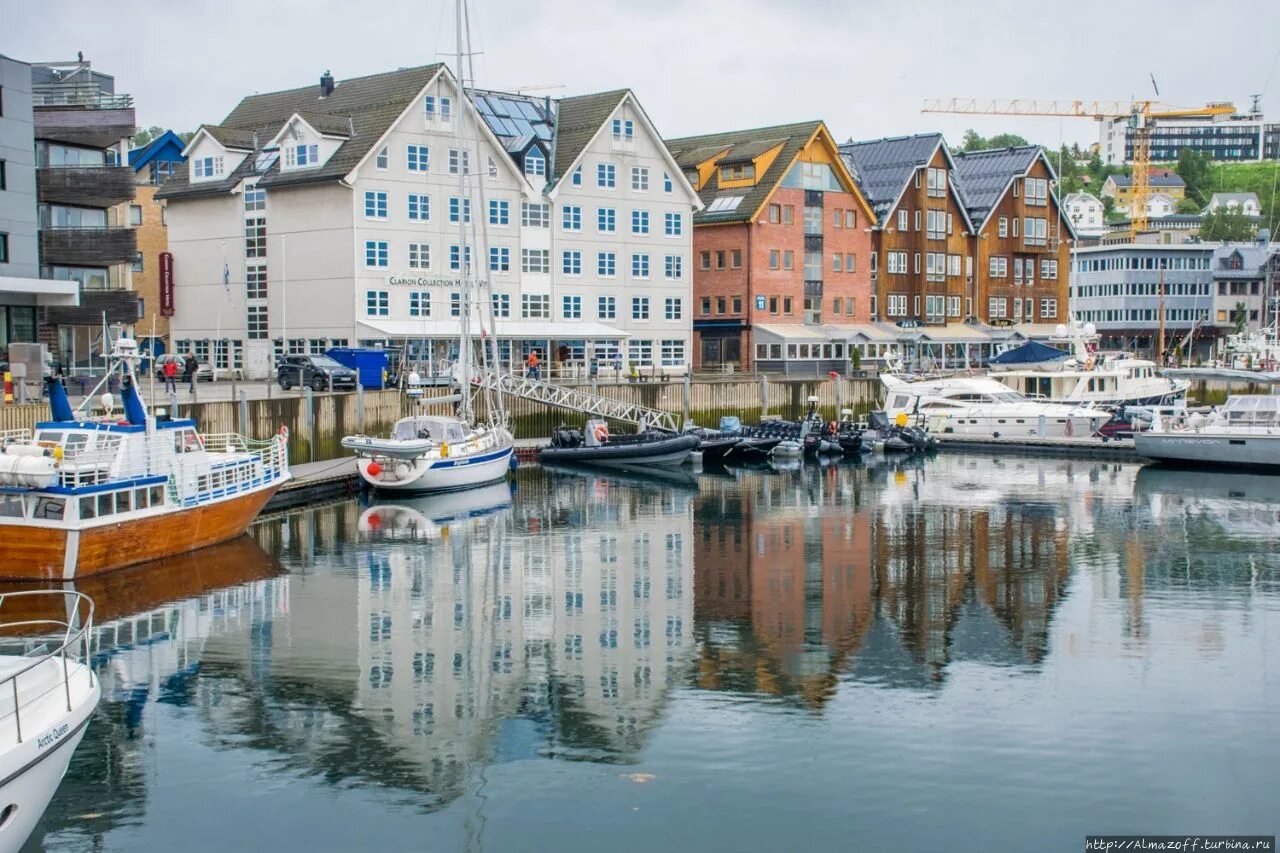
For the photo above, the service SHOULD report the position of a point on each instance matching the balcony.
(119, 306)
(96, 124)
(91, 247)
(84, 186)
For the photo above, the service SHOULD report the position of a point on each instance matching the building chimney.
(326, 84)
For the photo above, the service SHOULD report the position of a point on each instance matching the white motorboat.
(1243, 433)
(983, 407)
(1085, 376)
(47, 695)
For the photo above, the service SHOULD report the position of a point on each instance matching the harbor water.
(965, 653)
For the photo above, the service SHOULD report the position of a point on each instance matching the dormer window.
(301, 156)
(535, 165)
(738, 172)
(203, 168)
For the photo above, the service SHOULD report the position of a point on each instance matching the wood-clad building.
(923, 238)
(781, 248)
(1023, 244)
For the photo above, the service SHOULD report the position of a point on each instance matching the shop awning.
(1037, 331)
(954, 333)
(536, 330)
(798, 332)
(872, 332)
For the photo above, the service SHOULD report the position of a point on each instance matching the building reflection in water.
(885, 574)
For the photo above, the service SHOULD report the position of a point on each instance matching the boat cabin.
(1253, 411)
(439, 429)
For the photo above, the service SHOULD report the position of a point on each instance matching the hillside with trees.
(1081, 171)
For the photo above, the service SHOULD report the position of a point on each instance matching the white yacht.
(1243, 433)
(433, 453)
(1086, 376)
(983, 407)
(47, 695)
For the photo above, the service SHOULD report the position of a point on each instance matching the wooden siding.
(992, 245)
(85, 186)
(38, 553)
(890, 239)
(94, 247)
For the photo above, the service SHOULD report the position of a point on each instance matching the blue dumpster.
(369, 364)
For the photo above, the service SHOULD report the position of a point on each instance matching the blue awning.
(1032, 352)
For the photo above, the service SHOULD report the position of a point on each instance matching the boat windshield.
(437, 429)
(1253, 409)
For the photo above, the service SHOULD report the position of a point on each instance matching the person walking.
(189, 372)
(531, 365)
(170, 371)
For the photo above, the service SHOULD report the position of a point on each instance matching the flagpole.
(217, 333)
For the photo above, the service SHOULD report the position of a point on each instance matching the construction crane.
(1141, 115)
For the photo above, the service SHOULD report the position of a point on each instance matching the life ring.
(1089, 362)
(600, 432)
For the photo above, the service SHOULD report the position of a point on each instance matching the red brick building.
(781, 249)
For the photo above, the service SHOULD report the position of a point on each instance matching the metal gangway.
(574, 400)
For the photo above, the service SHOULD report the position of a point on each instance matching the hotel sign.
(166, 284)
(429, 281)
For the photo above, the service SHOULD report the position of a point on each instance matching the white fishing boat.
(96, 489)
(1085, 376)
(1243, 433)
(436, 453)
(983, 407)
(47, 695)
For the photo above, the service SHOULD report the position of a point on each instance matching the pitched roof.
(882, 167)
(329, 125)
(984, 176)
(577, 121)
(364, 107)
(170, 141)
(1239, 198)
(1166, 180)
(1073, 197)
(230, 137)
(793, 137)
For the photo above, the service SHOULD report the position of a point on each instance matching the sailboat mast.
(1160, 318)
(464, 269)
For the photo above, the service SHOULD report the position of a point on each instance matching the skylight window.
(725, 203)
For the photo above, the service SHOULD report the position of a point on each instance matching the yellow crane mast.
(1142, 116)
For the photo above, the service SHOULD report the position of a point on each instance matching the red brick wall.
(755, 278)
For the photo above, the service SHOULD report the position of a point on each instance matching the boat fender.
(373, 469)
(444, 450)
(601, 432)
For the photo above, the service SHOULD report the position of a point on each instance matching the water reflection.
(409, 646)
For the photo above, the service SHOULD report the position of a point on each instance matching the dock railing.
(31, 634)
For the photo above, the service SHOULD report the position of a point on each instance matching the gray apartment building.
(23, 293)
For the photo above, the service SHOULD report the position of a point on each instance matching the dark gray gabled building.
(81, 129)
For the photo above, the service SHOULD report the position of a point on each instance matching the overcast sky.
(698, 67)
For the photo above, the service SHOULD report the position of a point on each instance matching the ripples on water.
(966, 653)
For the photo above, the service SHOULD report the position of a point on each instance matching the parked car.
(204, 370)
(318, 371)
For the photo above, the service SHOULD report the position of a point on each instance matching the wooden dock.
(317, 481)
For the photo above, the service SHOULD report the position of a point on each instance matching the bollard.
(764, 395)
(8, 388)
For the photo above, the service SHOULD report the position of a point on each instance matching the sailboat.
(437, 453)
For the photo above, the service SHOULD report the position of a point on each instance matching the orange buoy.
(374, 469)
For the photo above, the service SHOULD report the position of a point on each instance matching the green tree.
(1193, 167)
(1006, 140)
(972, 141)
(146, 134)
(1227, 224)
(1188, 205)
(1237, 317)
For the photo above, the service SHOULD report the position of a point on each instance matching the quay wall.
(317, 422)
